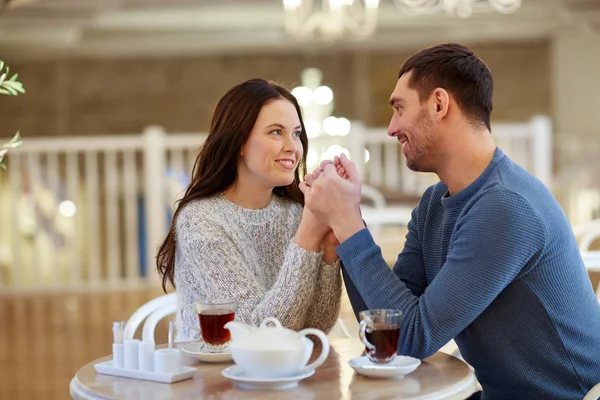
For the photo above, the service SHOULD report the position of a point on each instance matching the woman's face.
(273, 150)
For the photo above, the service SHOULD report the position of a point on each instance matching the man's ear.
(441, 101)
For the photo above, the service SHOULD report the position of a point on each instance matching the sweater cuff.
(334, 265)
(355, 245)
(304, 257)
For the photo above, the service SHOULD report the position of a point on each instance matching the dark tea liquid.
(385, 339)
(211, 325)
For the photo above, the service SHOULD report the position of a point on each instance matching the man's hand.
(330, 241)
(309, 178)
(334, 199)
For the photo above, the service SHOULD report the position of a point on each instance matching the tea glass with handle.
(213, 314)
(380, 333)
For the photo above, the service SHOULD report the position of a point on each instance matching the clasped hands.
(332, 194)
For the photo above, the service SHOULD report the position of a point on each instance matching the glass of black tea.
(213, 314)
(380, 333)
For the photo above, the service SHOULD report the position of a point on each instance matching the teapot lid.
(269, 337)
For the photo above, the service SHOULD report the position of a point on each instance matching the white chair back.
(154, 308)
(591, 260)
(339, 330)
(593, 394)
(587, 233)
(155, 317)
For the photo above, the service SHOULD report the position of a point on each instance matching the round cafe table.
(440, 376)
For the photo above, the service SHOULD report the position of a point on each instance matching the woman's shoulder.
(199, 213)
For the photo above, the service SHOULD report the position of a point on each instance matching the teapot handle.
(274, 320)
(324, 346)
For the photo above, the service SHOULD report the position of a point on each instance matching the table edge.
(466, 387)
(78, 392)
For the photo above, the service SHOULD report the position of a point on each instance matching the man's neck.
(467, 160)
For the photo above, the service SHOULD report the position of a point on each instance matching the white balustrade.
(90, 212)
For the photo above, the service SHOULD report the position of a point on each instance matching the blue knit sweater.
(495, 267)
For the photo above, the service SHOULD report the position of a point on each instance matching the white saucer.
(198, 351)
(237, 374)
(400, 366)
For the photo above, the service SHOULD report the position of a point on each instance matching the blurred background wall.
(122, 95)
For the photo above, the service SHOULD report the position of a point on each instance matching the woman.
(241, 230)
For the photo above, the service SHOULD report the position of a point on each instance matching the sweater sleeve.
(325, 307)
(493, 242)
(214, 267)
(356, 300)
(409, 267)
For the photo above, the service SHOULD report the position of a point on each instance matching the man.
(490, 259)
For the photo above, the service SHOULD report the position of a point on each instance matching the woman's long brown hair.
(215, 168)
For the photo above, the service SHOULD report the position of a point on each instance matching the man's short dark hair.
(459, 71)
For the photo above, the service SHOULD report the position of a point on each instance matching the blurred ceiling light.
(316, 101)
(336, 126)
(313, 128)
(67, 208)
(306, 20)
(335, 150)
(312, 159)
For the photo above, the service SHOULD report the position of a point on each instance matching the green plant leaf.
(18, 86)
(11, 91)
(13, 143)
(10, 145)
(16, 138)
(10, 87)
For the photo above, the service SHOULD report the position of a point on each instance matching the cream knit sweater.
(226, 251)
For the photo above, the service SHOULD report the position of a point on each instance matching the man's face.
(414, 127)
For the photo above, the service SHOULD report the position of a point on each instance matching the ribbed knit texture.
(226, 251)
(496, 267)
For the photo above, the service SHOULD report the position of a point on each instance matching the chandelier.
(330, 19)
(460, 8)
(304, 19)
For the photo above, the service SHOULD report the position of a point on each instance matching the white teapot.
(274, 352)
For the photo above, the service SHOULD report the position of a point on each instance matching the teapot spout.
(238, 330)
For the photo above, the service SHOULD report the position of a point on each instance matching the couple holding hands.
(490, 259)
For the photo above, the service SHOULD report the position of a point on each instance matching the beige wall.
(576, 79)
(521, 77)
(80, 97)
(575, 60)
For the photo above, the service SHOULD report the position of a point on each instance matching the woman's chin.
(283, 182)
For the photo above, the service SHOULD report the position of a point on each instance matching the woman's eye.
(277, 131)
(298, 133)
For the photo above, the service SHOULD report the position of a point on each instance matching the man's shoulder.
(495, 201)
(433, 193)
